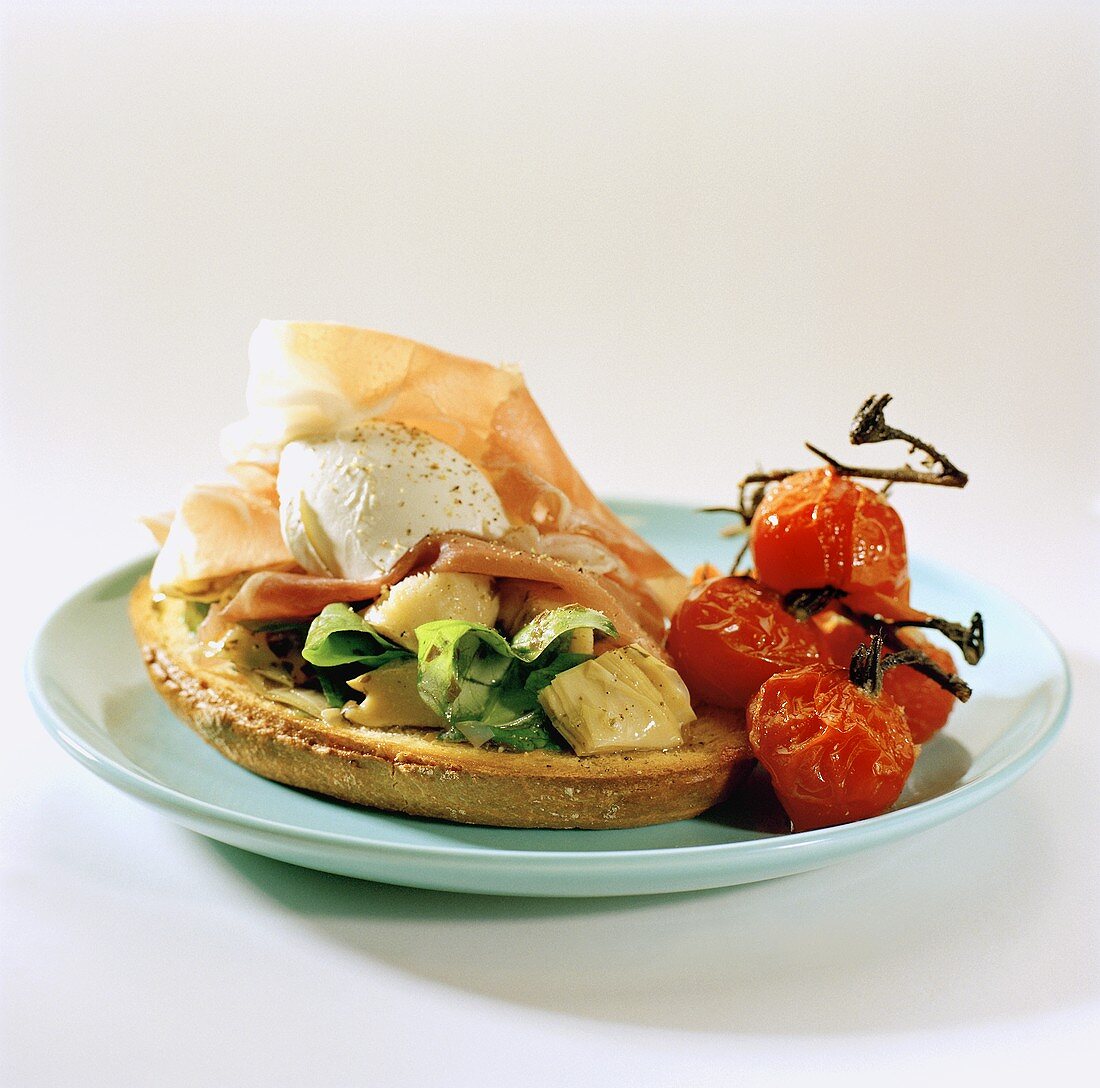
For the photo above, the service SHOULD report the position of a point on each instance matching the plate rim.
(828, 841)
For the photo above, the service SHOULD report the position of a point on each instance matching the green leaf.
(459, 660)
(459, 664)
(534, 638)
(194, 612)
(340, 636)
(486, 687)
(529, 737)
(333, 687)
(273, 627)
(525, 734)
(540, 678)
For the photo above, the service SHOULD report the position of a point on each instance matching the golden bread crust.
(409, 770)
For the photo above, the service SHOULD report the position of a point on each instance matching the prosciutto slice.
(311, 379)
(315, 378)
(218, 531)
(273, 595)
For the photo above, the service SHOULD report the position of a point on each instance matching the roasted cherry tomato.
(834, 751)
(927, 706)
(818, 528)
(731, 634)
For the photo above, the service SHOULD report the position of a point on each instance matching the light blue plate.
(89, 686)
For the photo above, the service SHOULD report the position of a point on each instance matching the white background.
(706, 231)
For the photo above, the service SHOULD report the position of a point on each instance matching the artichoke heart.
(624, 699)
(390, 697)
(431, 596)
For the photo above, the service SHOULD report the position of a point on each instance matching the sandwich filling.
(406, 544)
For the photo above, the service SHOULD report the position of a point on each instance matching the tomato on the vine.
(820, 528)
(927, 705)
(730, 634)
(835, 752)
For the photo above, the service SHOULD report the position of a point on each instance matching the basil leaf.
(334, 689)
(536, 734)
(525, 734)
(194, 612)
(340, 636)
(486, 687)
(272, 627)
(534, 638)
(458, 665)
(540, 678)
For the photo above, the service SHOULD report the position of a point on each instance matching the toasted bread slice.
(409, 770)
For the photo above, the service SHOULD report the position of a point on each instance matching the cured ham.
(315, 378)
(218, 531)
(272, 595)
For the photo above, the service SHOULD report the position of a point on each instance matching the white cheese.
(351, 504)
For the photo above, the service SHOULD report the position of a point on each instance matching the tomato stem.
(923, 664)
(869, 425)
(969, 639)
(867, 668)
(804, 603)
(736, 570)
(750, 495)
(887, 632)
(904, 474)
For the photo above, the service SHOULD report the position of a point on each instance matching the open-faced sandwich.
(408, 598)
